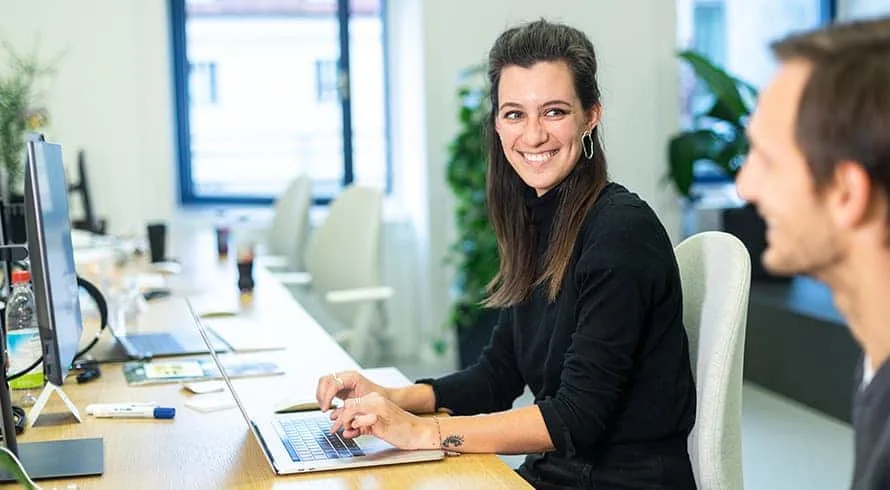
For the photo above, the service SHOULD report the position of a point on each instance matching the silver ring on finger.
(338, 380)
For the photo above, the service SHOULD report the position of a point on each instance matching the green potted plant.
(717, 135)
(20, 110)
(474, 253)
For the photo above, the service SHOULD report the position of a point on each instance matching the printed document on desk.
(215, 305)
(181, 370)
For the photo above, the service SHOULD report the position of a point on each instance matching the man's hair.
(844, 111)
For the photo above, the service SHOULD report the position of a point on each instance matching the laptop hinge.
(265, 448)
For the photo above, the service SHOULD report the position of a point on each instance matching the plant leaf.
(719, 83)
(721, 112)
(687, 148)
(8, 463)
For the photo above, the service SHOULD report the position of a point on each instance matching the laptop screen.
(219, 365)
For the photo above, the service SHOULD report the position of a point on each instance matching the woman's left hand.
(374, 415)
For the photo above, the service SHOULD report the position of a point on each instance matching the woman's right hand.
(344, 385)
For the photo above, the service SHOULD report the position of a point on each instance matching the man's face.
(801, 237)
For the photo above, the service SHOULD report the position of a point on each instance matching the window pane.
(860, 9)
(736, 35)
(753, 24)
(367, 92)
(263, 102)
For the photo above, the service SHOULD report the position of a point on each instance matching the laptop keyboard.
(310, 439)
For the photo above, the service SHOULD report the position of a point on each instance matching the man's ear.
(850, 194)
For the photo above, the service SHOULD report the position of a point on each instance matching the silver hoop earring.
(588, 152)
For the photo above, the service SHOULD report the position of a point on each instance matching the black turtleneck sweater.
(607, 362)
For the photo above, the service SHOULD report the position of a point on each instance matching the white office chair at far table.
(285, 245)
(341, 287)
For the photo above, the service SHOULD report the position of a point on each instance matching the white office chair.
(288, 235)
(715, 271)
(342, 287)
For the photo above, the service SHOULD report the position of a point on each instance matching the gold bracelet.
(448, 452)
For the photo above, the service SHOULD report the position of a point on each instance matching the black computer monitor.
(53, 274)
(89, 221)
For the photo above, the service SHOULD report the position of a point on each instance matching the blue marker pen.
(136, 412)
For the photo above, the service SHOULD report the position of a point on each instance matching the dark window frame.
(181, 109)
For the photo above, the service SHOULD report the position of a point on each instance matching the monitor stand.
(48, 390)
(45, 459)
(60, 459)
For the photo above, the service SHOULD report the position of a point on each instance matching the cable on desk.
(102, 306)
(18, 415)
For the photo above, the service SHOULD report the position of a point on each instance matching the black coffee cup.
(222, 241)
(245, 276)
(157, 241)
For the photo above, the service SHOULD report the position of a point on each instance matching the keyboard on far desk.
(154, 342)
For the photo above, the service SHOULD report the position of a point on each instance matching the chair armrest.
(292, 278)
(359, 294)
(273, 261)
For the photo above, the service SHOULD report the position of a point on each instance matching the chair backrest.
(715, 271)
(290, 223)
(344, 251)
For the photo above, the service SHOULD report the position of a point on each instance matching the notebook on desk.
(302, 442)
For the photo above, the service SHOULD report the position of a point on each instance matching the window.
(326, 78)
(863, 9)
(735, 35)
(202, 83)
(293, 87)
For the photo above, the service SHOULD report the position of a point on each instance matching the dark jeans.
(624, 469)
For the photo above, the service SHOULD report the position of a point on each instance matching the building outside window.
(270, 105)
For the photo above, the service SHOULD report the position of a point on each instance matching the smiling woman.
(588, 293)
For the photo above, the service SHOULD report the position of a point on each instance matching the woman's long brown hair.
(518, 273)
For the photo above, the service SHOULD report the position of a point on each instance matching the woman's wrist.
(429, 433)
(417, 398)
(394, 395)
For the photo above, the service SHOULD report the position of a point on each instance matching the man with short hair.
(819, 173)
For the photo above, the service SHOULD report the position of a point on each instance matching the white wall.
(110, 96)
(635, 42)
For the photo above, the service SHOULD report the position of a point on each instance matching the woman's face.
(540, 121)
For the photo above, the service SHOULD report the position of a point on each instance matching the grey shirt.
(871, 425)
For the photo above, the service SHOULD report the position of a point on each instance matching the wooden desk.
(215, 450)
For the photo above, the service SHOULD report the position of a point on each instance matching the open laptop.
(147, 345)
(302, 442)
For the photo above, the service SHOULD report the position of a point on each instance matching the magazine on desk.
(179, 370)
